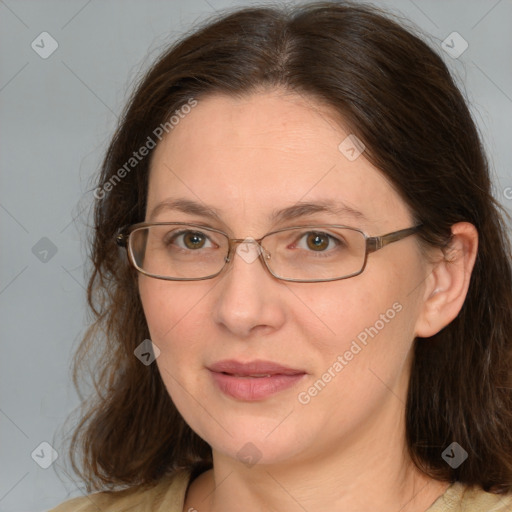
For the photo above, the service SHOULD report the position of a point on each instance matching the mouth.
(255, 380)
(249, 376)
(255, 368)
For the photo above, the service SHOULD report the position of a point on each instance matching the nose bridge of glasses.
(249, 249)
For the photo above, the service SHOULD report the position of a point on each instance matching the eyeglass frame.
(372, 244)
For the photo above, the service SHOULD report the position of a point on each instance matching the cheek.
(341, 310)
(176, 325)
(177, 317)
(360, 330)
(170, 307)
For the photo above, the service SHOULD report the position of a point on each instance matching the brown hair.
(396, 95)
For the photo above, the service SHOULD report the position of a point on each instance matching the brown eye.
(317, 241)
(187, 240)
(194, 240)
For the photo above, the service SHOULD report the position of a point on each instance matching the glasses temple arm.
(374, 243)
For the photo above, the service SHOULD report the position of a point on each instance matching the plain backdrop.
(57, 115)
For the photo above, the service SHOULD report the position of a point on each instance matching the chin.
(254, 441)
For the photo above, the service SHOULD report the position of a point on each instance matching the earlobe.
(448, 283)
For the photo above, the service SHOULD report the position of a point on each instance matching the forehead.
(245, 157)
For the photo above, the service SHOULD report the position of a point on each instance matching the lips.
(253, 368)
(254, 380)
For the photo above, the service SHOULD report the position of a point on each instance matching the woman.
(308, 238)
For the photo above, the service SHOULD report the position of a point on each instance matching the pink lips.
(255, 380)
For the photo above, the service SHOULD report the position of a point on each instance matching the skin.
(345, 449)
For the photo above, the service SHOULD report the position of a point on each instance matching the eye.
(187, 239)
(317, 241)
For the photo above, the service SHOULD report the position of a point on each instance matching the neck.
(367, 477)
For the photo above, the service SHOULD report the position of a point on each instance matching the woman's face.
(346, 344)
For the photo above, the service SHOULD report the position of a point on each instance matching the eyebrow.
(185, 206)
(298, 210)
(303, 209)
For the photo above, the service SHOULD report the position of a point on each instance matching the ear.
(448, 282)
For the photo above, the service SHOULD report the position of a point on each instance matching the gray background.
(57, 115)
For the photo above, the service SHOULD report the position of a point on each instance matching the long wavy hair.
(397, 96)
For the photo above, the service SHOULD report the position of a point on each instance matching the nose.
(248, 298)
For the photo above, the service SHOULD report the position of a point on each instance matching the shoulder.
(461, 498)
(166, 496)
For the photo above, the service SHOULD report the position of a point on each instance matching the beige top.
(169, 496)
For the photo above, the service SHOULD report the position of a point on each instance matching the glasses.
(307, 254)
